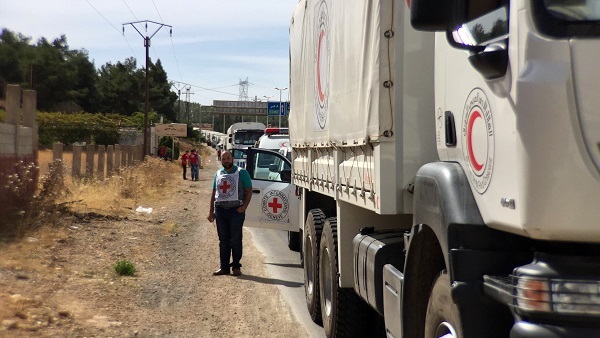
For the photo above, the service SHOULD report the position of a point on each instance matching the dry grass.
(170, 228)
(143, 184)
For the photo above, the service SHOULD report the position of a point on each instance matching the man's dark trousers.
(229, 228)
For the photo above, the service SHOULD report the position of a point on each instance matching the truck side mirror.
(486, 37)
(431, 15)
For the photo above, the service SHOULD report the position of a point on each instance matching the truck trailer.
(445, 167)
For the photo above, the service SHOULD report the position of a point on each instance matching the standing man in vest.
(232, 191)
(184, 163)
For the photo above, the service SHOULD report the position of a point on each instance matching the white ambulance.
(274, 139)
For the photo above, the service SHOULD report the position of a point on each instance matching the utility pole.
(280, 103)
(267, 97)
(187, 104)
(147, 45)
(178, 85)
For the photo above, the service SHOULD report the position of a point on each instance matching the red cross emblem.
(224, 186)
(275, 205)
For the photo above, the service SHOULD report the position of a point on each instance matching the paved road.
(283, 266)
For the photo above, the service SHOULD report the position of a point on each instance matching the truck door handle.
(256, 191)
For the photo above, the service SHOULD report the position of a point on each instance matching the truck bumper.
(530, 330)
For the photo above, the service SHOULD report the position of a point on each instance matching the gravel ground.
(60, 282)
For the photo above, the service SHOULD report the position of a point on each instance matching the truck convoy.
(214, 138)
(446, 167)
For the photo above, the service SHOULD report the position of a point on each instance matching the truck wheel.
(294, 240)
(310, 248)
(442, 318)
(344, 313)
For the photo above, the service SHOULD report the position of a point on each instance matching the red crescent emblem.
(321, 94)
(474, 116)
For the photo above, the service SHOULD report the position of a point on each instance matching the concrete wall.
(18, 148)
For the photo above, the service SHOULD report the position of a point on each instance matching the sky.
(214, 45)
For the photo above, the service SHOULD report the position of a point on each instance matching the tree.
(52, 78)
(67, 81)
(121, 87)
(499, 28)
(161, 98)
(478, 33)
(12, 47)
(85, 90)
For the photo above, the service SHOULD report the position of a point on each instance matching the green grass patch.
(125, 268)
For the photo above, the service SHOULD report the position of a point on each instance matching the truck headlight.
(557, 295)
(532, 294)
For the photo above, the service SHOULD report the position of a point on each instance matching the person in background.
(219, 154)
(232, 191)
(184, 163)
(162, 152)
(194, 164)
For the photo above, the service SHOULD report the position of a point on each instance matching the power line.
(161, 19)
(210, 89)
(217, 91)
(176, 61)
(136, 19)
(172, 44)
(233, 85)
(113, 26)
(132, 13)
(147, 39)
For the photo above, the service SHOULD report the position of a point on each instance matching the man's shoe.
(236, 272)
(221, 272)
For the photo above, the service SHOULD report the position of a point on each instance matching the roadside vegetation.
(60, 195)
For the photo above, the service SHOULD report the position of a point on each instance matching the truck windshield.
(247, 137)
(568, 18)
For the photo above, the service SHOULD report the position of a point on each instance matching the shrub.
(125, 268)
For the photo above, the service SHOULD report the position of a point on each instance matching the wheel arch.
(449, 233)
(314, 200)
(424, 260)
(442, 199)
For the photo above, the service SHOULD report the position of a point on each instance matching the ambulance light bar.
(272, 131)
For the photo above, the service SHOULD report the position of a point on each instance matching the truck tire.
(294, 240)
(310, 248)
(344, 313)
(443, 317)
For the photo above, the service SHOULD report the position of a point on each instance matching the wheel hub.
(327, 280)
(445, 330)
(308, 260)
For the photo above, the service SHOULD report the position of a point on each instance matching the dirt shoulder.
(61, 281)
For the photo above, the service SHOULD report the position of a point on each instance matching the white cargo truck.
(242, 135)
(447, 166)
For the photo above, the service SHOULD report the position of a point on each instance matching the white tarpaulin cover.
(339, 63)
